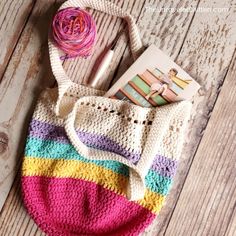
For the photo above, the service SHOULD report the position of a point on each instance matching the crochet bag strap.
(135, 42)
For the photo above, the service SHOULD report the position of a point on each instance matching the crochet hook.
(105, 62)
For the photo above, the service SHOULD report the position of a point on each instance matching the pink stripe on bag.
(63, 205)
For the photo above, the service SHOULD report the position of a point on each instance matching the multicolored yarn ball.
(74, 32)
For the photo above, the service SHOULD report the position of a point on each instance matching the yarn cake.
(74, 32)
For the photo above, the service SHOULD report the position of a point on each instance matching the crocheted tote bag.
(95, 165)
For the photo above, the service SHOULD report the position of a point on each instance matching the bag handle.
(136, 46)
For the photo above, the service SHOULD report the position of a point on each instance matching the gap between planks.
(175, 51)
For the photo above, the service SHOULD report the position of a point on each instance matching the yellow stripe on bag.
(88, 171)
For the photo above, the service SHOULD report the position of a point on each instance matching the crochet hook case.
(95, 165)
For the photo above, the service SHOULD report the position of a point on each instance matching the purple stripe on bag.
(47, 131)
(165, 166)
(38, 129)
(104, 143)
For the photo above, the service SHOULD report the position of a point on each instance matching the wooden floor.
(203, 199)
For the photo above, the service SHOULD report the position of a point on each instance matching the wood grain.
(13, 16)
(108, 26)
(13, 209)
(25, 76)
(202, 43)
(207, 201)
(231, 230)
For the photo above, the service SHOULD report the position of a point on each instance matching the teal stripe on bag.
(40, 148)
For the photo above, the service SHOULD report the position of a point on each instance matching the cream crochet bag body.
(94, 165)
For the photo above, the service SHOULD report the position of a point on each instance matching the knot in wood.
(3, 142)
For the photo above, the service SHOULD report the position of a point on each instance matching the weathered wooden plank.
(207, 201)
(26, 75)
(206, 54)
(79, 69)
(231, 231)
(13, 209)
(13, 16)
(169, 45)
